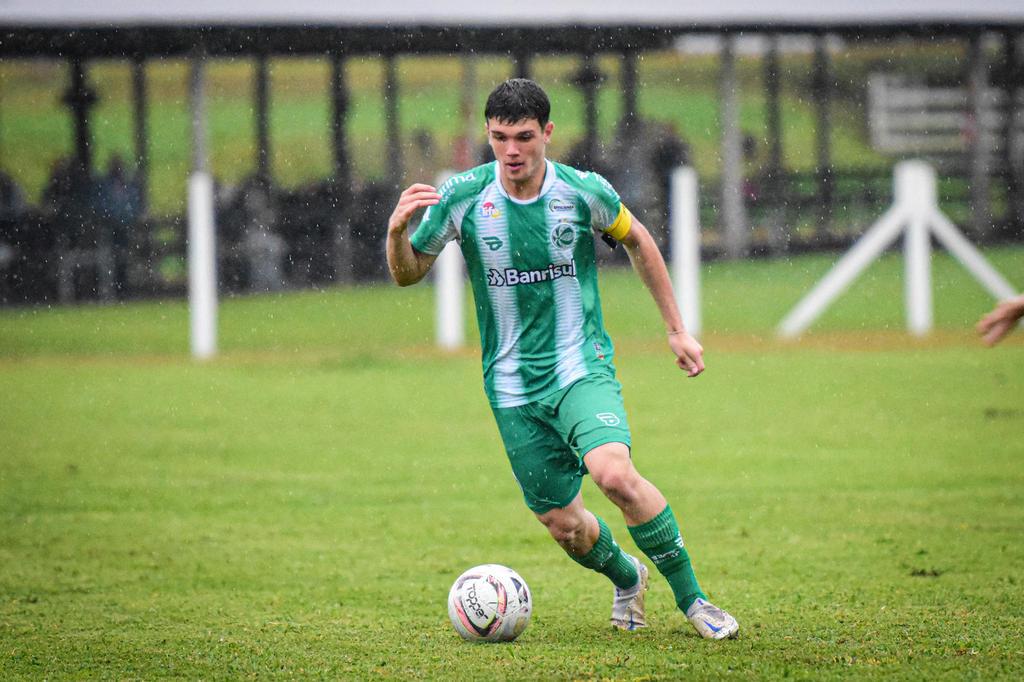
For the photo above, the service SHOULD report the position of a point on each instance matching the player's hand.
(415, 197)
(998, 323)
(689, 353)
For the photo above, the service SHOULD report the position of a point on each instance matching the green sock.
(607, 558)
(659, 539)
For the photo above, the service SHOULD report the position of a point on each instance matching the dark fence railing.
(275, 239)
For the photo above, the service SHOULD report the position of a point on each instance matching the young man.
(525, 228)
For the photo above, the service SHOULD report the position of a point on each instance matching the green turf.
(300, 505)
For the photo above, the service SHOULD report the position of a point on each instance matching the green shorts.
(546, 440)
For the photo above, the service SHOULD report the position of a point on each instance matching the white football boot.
(711, 622)
(628, 605)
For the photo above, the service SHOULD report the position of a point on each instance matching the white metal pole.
(449, 292)
(918, 269)
(685, 240)
(869, 247)
(449, 283)
(202, 259)
(202, 266)
(969, 256)
(916, 193)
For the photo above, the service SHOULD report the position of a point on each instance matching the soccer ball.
(490, 603)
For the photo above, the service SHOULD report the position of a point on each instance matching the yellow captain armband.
(620, 228)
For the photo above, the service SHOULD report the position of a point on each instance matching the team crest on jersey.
(489, 210)
(563, 235)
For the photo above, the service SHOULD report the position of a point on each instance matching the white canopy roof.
(522, 13)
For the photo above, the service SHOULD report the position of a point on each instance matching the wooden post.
(80, 98)
(733, 211)
(140, 101)
(1013, 75)
(822, 86)
(630, 110)
(977, 84)
(588, 79)
(774, 185)
(262, 97)
(341, 183)
(392, 130)
(521, 64)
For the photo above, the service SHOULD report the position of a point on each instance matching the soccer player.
(525, 226)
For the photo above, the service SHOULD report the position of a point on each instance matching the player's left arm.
(649, 264)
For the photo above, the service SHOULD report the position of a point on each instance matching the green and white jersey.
(534, 277)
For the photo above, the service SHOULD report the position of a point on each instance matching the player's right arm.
(407, 265)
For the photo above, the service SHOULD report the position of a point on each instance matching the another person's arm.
(649, 264)
(1000, 322)
(406, 264)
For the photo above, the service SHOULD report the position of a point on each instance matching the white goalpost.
(915, 213)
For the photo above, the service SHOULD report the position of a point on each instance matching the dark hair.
(517, 99)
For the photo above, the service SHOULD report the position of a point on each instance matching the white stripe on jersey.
(508, 384)
(569, 338)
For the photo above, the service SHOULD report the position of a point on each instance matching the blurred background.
(312, 120)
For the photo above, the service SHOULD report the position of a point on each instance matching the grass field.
(300, 506)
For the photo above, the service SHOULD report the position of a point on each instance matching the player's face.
(519, 148)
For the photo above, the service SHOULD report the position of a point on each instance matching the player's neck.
(528, 188)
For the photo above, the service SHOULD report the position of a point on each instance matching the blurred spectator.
(263, 248)
(12, 205)
(118, 208)
(12, 199)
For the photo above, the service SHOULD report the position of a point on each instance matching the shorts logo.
(489, 210)
(493, 243)
(563, 235)
(561, 205)
(609, 418)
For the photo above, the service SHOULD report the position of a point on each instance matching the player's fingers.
(688, 365)
(408, 196)
(409, 205)
(996, 332)
(419, 187)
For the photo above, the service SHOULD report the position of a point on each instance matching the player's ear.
(547, 131)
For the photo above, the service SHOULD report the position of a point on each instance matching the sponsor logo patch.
(493, 243)
(489, 210)
(609, 418)
(558, 205)
(510, 277)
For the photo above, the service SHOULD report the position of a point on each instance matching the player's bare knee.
(619, 482)
(566, 529)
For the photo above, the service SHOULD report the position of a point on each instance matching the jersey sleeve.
(436, 229)
(438, 225)
(607, 212)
